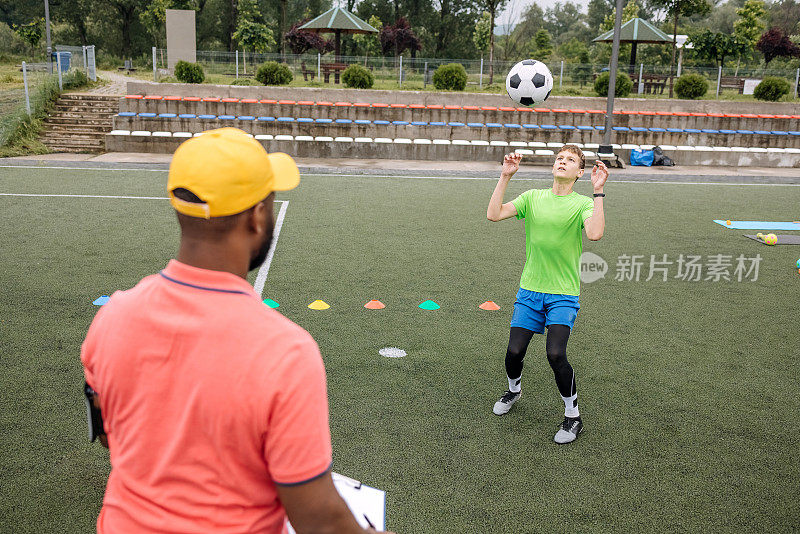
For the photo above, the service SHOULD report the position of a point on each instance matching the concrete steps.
(79, 123)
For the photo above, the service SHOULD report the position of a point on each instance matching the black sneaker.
(569, 430)
(506, 402)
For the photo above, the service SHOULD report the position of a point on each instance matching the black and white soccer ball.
(529, 82)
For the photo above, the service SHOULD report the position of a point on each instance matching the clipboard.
(364, 502)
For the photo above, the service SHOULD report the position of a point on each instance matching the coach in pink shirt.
(213, 406)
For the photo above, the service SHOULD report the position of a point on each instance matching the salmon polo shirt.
(209, 399)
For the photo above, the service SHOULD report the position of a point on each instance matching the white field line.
(416, 177)
(261, 279)
(262, 272)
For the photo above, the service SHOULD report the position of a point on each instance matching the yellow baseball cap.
(229, 171)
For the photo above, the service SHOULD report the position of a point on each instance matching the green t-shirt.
(553, 240)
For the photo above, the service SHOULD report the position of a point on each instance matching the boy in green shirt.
(550, 284)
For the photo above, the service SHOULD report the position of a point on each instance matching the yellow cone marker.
(319, 305)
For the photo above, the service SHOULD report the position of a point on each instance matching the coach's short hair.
(574, 149)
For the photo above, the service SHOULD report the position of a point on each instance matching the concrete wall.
(459, 99)
(181, 36)
(332, 149)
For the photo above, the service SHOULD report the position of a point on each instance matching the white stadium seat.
(362, 140)
(498, 143)
(141, 133)
(120, 132)
(264, 137)
(545, 153)
(403, 141)
(422, 141)
(323, 138)
(382, 140)
(181, 134)
(304, 138)
(479, 142)
(441, 142)
(284, 138)
(343, 139)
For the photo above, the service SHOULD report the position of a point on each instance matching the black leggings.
(556, 348)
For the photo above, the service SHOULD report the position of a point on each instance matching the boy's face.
(567, 167)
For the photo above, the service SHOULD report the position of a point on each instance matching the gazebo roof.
(338, 19)
(636, 31)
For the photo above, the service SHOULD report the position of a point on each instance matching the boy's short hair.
(574, 149)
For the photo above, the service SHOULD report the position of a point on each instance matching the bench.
(307, 72)
(30, 67)
(732, 82)
(653, 84)
(332, 68)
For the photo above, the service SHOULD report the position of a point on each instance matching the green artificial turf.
(689, 390)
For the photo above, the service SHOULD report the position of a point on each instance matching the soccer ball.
(529, 82)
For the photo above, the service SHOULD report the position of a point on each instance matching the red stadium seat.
(559, 110)
(452, 107)
(488, 108)
(153, 97)
(733, 115)
(541, 110)
(210, 99)
(324, 103)
(302, 102)
(230, 100)
(172, 98)
(470, 108)
(665, 113)
(577, 111)
(399, 106)
(595, 111)
(749, 116)
(379, 105)
(434, 106)
(765, 116)
(134, 97)
(268, 101)
(289, 102)
(697, 114)
(343, 104)
(716, 115)
(783, 116)
(361, 104)
(682, 114)
(416, 106)
(507, 109)
(191, 99)
(529, 110)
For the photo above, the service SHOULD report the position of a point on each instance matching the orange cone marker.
(489, 305)
(374, 305)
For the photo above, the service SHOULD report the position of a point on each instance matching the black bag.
(659, 158)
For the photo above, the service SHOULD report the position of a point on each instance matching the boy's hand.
(599, 176)
(511, 164)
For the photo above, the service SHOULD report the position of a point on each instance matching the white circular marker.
(392, 352)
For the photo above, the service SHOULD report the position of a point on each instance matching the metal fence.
(417, 73)
(82, 57)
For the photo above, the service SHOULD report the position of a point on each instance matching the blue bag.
(642, 158)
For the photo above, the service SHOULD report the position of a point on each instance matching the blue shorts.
(534, 310)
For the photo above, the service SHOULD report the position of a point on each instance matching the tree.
(127, 15)
(774, 43)
(250, 32)
(398, 38)
(481, 34)
(565, 21)
(597, 13)
(677, 8)
(492, 6)
(574, 50)
(629, 12)
(301, 41)
(715, 45)
(517, 44)
(369, 43)
(750, 24)
(541, 48)
(154, 17)
(31, 32)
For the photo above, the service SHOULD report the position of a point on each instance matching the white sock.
(571, 406)
(515, 384)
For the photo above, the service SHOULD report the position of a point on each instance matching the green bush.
(75, 79)
(357, 77)
(691, 86)
(772, 89)
(450, 77)
(244, 81)
(622, 87)
(189, 72)
(274, 73)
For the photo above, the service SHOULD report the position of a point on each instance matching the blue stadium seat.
(381, 122)
(344, 121)
(761, 132)
(531, 126)
(778, 132)
(285, 119)
(362, 121)
(566, 127)
(248, 118)
(600, 128)
(419, 123)
(266, 119)
(659, 130)
(206, 116)
(639, 129)
(493, 125)
(437, 123)
(512, 125)
(548, 127)
(621, 128)
(302, 119)
(400, 123)
(475, 124)
(166, 115)
(151, 115)
(794, 133)
(675, 130)
(729, 132)
(586, 128)
(187, 116)
(129, 114)
(744, 131)
(323, 121)
(709, 131)
(691, 130)
(230, 117)
(455, 123)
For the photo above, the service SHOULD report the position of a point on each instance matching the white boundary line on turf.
(394, 176)
(261, 279)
